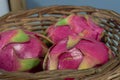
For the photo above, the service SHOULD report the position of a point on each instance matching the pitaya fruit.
(83, 54)
(20, 50)
(75, 24)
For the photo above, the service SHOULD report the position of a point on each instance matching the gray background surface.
(104, 4)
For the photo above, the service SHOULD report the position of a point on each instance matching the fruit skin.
(75, 24)
(87, 53)
(76, 44)
(58, 33)
(20, 50)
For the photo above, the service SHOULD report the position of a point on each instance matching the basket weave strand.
(39, 19)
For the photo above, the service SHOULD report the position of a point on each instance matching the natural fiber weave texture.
(39, 19)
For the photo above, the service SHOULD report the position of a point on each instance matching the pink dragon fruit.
(83, 54)
(20, 50)
(75, 24)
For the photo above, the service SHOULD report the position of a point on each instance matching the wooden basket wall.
(39, 19)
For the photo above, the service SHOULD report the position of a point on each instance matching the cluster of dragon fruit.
(77, 44)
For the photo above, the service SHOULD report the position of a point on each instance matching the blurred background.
(105, 4)
(16, 5)
(4, 7)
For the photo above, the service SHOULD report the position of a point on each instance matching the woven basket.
(39, 19)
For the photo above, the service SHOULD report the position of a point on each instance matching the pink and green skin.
(76, 24)
(77, 44)
(56, 33)
(82, 54)
(20, 50)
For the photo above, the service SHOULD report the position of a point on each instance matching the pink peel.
(95, 50)
(18, 47)
(70, 59)
(87, 53)
(58, 33)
